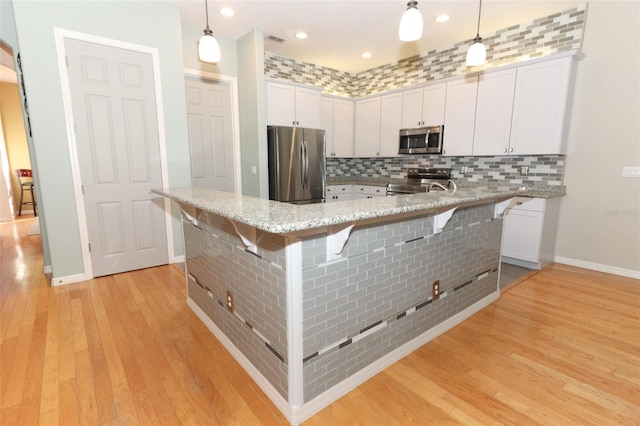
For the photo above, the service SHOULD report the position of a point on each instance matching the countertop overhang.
(283, 218)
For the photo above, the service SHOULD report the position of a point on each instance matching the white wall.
(149, 23)
(599, 225)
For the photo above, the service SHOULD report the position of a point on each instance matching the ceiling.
(340, 31)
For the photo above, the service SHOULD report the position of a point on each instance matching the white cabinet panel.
(493, 113)
(521, 234)
(338, 193)
(337, 121)
(424, 106)
(390, 124)
(460, 114)
(540, 106)
(367, 139)
(433, 104)
(343, 117)
(289, 105)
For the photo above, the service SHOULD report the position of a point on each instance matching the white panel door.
(281, 104)
(343, 124)
(326, 124)
(412, 108)
(433, 104)
(460, 116)
(493, 113)
(540, 106)
(367, 140)
(210, 121)
(308, 108)
(521, 234)
(114, 109)
(390, 124)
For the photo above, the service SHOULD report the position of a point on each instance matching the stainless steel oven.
(423, 180)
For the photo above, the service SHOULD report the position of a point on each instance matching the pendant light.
(477, 53)
(411, 23)
(208, 48)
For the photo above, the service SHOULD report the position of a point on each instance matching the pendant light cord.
(479, 12)
(206, 8)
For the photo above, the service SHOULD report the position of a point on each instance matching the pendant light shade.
(477, 53)
(411, 23)
(208, 47)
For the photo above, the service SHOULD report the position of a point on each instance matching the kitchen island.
(313, 300)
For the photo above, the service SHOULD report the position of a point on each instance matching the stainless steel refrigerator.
(296, 164)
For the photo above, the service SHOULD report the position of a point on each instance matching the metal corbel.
(337, 237)
(440, 220)
(247, 234)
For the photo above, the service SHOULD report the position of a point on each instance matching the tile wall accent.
(217, 262)
(360, 308)
(547, 169)
(332, 81)
(544, 36)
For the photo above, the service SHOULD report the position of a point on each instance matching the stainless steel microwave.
(421, 140)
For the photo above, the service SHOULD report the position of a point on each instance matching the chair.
(25, 178)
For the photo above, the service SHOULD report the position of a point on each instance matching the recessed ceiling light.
(442, 18)
(301, 35)
(366, 55)
(227, 11)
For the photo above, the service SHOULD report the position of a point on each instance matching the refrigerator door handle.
(302, 164)
(305, 183)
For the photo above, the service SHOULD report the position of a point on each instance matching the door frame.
(235, 117)
(60, 34)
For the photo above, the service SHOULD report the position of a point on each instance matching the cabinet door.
(343, 116)
(367, 139)
(493, 113)
(326, 123)
(307, 108)
(459, 118)
(521, 234)
(412, 108)
(539, 108)
(281, 104)
(433, 102)
(390, 123)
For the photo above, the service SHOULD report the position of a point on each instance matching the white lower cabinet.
(367, 191)
(338, 193)
(353, 192)
(529, 232)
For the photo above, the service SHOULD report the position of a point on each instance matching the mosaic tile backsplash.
(551, 34)
(546, 169)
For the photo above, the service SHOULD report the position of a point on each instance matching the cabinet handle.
(519, 203)
(510, 149)
(505, 150)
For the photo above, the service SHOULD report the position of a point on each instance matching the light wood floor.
(561, 347)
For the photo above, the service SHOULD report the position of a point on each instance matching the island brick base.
(377, 297)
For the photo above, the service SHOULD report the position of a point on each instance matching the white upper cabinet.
(367, 138)
(459, 117)
(290, 105)
(337, 120)
(424, 106)
(493, 113)
(541, 107)
(390, 124)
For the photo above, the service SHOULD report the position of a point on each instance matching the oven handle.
(400, 193)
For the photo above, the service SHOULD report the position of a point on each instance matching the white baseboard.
(300, 414)
(630, 273)
(255, 374)
(47, 269)
(69, 279)
(178, 259)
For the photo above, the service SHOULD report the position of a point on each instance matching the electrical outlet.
(229, 301)
(524, 170)
(463, 170)
(632, 172)
(436, 290)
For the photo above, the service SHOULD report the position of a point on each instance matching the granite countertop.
(282, 218)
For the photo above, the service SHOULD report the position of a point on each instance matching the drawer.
(338, 189)
(528, 204)
(368, 189)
